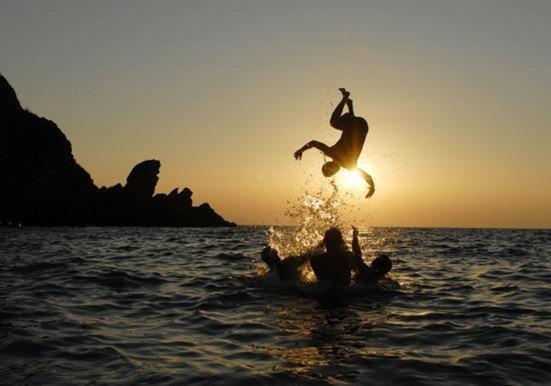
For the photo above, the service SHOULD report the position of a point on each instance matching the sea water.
(195, 306)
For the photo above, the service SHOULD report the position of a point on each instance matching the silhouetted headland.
(42, 184)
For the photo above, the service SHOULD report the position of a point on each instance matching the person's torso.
(351, 142)
(334, 267)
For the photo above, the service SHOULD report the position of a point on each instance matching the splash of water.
(311, 215)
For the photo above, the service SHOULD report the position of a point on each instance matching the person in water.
(345, 152)
(335, 265)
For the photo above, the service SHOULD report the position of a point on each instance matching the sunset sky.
(457, 95)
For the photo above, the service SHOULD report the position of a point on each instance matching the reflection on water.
(193, 306)
(323, 333)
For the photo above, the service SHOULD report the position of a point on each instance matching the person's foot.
(370, 192)
(345, 94)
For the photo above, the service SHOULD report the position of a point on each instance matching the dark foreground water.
(189, 306)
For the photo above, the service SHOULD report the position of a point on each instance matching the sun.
(351, 179)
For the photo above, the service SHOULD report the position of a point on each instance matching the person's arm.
(300, 259)
(305, 257)
(293, 262)
(356, 245)
(359, 266)
(298, 153)
(312, 144)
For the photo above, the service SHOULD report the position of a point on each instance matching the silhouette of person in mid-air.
(345, 152)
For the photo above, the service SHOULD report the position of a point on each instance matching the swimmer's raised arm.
(358, 263)
(356, 244)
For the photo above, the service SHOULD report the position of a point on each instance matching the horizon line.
(411, 226)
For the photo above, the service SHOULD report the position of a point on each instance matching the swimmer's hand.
(355, 232)
(298, 155)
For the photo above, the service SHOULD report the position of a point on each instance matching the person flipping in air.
(345, 152)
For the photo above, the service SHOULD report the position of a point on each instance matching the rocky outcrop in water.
(42, 184)
(135, 204)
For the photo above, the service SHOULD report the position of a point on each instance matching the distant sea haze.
(174, 306)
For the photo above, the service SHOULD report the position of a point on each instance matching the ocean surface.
(173, 306)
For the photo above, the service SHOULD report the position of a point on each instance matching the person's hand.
(355, 232)
(298, 155)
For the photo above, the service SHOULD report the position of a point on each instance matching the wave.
(77, 306)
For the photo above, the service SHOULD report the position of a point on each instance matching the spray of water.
(311, 215)
(317, 210)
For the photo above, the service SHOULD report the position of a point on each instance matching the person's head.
(330, 168)
(333, 239)
(270, 257)
(381, 265)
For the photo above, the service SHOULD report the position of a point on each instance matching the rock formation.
(42, 184)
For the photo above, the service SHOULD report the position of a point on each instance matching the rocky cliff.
(42, 184)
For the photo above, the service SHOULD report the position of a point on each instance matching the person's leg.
(369, 181)
(338, 110)
(337, 114)
(350, 105)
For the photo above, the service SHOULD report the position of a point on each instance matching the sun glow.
(351, 179)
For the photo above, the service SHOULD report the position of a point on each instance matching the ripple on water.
(185, 306)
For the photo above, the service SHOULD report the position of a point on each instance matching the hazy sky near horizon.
(457, 95)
